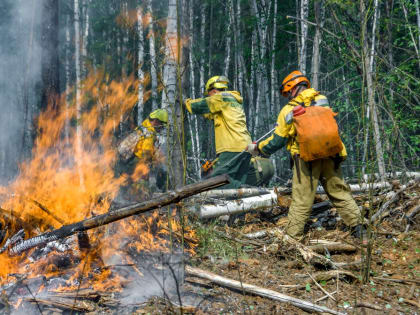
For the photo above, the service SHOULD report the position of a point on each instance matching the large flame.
(70, 177)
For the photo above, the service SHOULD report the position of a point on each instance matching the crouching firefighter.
(226, 110)
(306, 125)
(140, 153)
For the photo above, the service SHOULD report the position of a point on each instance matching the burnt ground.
(391, 285)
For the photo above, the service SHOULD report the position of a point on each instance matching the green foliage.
(213, 244)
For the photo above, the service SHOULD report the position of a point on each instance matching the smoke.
(19, 74)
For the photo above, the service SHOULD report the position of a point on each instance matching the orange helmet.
(293, 79)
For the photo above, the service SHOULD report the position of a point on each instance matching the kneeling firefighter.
(306, 125)
(142, 148)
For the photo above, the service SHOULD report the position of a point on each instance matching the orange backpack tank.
(317, 133)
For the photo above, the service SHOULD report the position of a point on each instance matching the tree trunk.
(195, 141)
(316, 54)
(371, 90)
(152, 52)
(49, 51)
(170, 75)
(140, 62)
(273, 75)
(79, 139)
(304, 12)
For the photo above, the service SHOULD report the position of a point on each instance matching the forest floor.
(391, 285)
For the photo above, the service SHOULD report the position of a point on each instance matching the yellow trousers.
(303, 194)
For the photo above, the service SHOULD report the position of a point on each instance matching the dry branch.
(333, 247)
(100, 220)
(249, 288)
(68, 304)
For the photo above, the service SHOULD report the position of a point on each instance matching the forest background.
(363, 55)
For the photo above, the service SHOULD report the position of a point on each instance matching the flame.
(58, 186)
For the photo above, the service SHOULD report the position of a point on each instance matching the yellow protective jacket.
(226, 110)
(145, 147)
(285, 132)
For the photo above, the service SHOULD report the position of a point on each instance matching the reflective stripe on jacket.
(285, 132)
(226, 111)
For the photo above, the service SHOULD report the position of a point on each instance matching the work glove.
(252, 148)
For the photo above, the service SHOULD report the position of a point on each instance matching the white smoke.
(19, 74)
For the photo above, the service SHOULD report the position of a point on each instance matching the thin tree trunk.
(193, 118)
(175, 159)
(273, 75)
(85, 38)
(418, 21)
(371, 91)
(68, 57)
(152, 52)
(140, 62)
(316, 54)
(228, 40)
(410, 30)
(79, 144)
(304, 12)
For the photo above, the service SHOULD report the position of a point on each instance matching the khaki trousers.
(303, 195)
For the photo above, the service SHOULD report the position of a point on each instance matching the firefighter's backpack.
(317, 132)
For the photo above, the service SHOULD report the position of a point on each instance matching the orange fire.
(70, 177)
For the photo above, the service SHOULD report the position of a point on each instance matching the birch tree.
(303, 13)
(316, 52)
(140, 58)
(175, 159)
(79, 139)
(368, 68)
(152, 53)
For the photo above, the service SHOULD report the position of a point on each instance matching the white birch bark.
(84, 40)
(203, 48)
(169, 94)
(304, 11)
(273, 74)
(228, 40)
(316, 53)
(195, 141)
(140, 73)
(371, 94)
(79, 144)
(152, 52)
(67, 72)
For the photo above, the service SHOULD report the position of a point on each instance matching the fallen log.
(236, 206)
(332, 247)
(103, 219)
(233, 193)
(377, 176)
(66, 304)
(253, 289)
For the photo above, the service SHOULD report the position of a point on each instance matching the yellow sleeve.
(145, 148)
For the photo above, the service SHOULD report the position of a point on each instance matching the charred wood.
(100, 220)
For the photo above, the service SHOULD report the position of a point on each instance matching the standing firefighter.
(306, 125)
(231, 134)
(141, 148)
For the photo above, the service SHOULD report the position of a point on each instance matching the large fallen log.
(253, 289)
(377, 176)
(103, 219)
(236, 206)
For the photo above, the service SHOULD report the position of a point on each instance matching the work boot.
(359, 232)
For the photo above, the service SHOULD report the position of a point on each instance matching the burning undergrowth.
(69, 178)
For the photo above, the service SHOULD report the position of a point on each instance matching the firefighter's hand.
(187, 103)
(252, 148)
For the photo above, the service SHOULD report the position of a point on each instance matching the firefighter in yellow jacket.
(145, 148)
(296, 87)
(141, 148)
(231, 134)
